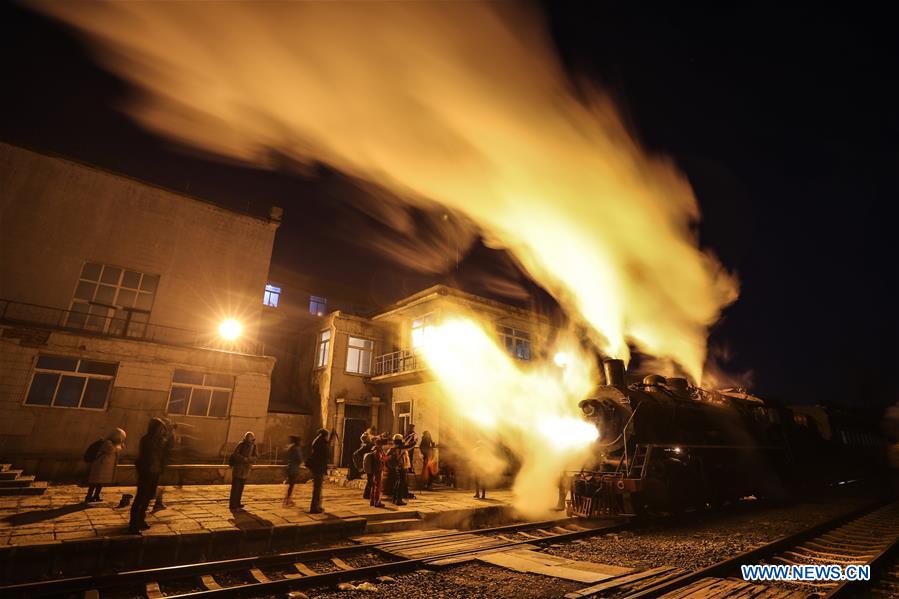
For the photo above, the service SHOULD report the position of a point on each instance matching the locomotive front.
(664, 446)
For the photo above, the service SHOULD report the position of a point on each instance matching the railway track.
(868, 536)
(271, 574)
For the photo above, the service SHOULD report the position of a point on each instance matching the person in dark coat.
(242, 461)
(398, 461)
(367, 443)
(103, 468)
(294, 460)
(428, 470)
(151, 461)
(318, 465)
(378, 462)
(410, 441)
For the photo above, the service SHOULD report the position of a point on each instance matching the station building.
(368, 369)
(112, 293)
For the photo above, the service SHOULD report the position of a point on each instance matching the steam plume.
(464, 104)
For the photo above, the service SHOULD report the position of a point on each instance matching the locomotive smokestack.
(614, 370)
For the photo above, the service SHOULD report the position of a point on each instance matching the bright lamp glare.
(561, 359)
(230, 329)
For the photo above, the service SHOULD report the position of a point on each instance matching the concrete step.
(393, 525)
(392, 514)
(35, 489)
(9, 474)
(21, 481)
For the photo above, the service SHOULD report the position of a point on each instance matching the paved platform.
(55, 534)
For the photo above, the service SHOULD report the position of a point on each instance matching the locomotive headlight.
(589, 410)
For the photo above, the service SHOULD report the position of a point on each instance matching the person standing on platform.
(104, 464)
(366, 445)
(318, 465)
(375, 463)
(410, 441)
(172, 427)
(294, 459)
(428, 470)
(398, 461)
(241, 462)
(151, 462)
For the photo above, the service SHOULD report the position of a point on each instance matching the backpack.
(370, 463)
(90, 454)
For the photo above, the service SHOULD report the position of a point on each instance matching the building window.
(422, 328)
(324, 345)
(403, 411)
(517, 343)
(200, 394)
(71, 383)
(271, 296)
(318, 305)
(114, 300)
(358, 355)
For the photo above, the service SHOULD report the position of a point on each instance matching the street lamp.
(230, 329)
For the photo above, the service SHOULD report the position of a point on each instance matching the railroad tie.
(304, 569)
(340, 563)
(259, 575)
(209, 582)
(153, 591)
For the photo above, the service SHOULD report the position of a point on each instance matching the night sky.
(785, 123)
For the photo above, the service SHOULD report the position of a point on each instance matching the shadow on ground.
(35, 516)
(246, 521)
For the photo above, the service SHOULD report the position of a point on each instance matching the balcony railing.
(122, 327)
(404, 360)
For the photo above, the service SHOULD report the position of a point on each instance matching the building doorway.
(352, 430)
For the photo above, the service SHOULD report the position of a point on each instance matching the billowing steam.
(452, 102)
(466, 105)
(532, 409)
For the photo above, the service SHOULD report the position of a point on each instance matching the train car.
(665, 446)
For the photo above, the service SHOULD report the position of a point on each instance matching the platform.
(57, 534)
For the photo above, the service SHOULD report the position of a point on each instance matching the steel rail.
(724, 567)
(168, 573)
(288, 584)
(848, 588)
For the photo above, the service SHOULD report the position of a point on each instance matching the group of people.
(153, 455)
(387, 463)
(244, 456)
(385, 459)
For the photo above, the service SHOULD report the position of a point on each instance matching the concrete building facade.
(368, 370)
(111, 296)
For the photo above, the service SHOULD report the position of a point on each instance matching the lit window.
(324, 345)
(271, 295)
(200, 394)
(318, 305)
(114, 300)
(422, 328)
(358, 355)
(64, 382)
(517, 343)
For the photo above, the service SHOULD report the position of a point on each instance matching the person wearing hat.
(318, 465)
(103, 468)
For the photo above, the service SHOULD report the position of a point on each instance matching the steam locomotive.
(665, 447)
